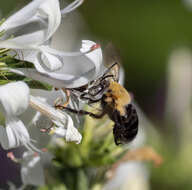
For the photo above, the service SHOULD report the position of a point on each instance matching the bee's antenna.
(110, 68)
(106, 76)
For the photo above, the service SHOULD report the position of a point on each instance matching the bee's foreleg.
(82, 112)
(90, 100)
(67, 93)
(59, 100)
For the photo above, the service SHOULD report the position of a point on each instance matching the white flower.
(32, 13)
(71, 7)
(130, 175)
(179, 85)
(188, 4)
(61, 69)
(32, 167)
(95, 56)
(45, 14)
(64, 124)
(32, 28)
(14, 100)
(12, 186)
(75, 73)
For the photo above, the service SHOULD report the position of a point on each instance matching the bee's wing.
(111, 56)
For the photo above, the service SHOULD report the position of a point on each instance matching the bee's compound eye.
(109, 91)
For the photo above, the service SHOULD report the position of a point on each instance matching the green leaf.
(60, 187)
(11, 62)
(82, 181)
(44, 188)
(2, 21)
(37, 84)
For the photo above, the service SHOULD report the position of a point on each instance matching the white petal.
(71, 7)
(72, 133)
(32, 172)
(121, 76)
(95, 56)
(39, 9)
(52, 62)
(63, 53)
(76, 71)
(27, 41)
(67, 130)
(22, 16)
(51, 9)
(130, 175)
(14, 97)
(59, 132)
(32, 167)
(61, 119)
(14, 134)
(3, 138)
(29, 55)
(55, 79)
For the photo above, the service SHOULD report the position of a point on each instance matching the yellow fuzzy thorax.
(120, 95)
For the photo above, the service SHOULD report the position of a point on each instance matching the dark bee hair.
(126, 129)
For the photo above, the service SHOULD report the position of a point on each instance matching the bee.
(115, 101)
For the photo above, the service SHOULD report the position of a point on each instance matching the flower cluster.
(30, 30)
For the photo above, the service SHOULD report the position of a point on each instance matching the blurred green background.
(145, 32)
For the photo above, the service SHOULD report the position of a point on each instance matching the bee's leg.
(67, 94)
(116, 134)
(90, 100)
(107, 76)
(83, 96)
(110, 68)
(82, 112)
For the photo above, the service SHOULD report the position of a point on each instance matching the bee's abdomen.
(126, 127)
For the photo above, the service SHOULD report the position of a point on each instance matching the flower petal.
(78, 69)
(129, 175)
(3, 137)
(58, 132)
(71, 7)
(32, 171)
(61, 119)
(55, 79)
(14, 97)
(51, 9)
(52, 62)
(14, 134)
(68, 131)
(32, 167)
(22, 16)
(27, 41)
(39, 11)
(72, 133)
(95, 56)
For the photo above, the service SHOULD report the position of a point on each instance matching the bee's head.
(98, 87)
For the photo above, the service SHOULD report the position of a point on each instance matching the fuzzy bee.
(115, 102)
